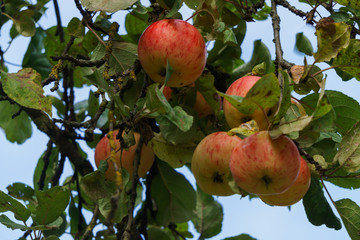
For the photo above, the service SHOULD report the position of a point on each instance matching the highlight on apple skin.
(174, 41)
(296, 191)
(210, 163)
(261, 165)
(234, 118)
(103, 152)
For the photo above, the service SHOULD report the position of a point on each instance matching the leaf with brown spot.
(24, 87)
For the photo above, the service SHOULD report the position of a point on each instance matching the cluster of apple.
(270, 168)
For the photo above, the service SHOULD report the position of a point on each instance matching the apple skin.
(201, 106)
(233, 117)
(261, 165)
(296, 191)
(177, 41)
(103, 151)
(210, 163)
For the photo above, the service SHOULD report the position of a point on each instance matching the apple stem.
(199, 11)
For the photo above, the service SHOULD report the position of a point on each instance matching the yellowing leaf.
(24, 87)
(107, 5)
(348, 155)
(348, 59)
(350, 3)
(332, 37)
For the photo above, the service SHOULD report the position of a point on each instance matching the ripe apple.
(262, 165)
(103, 151)
(233, 117)
(210, 163)
(296, 191)
(175, 41)
(201, 106)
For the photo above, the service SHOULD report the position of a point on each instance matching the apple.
(201, 106)
(103, 152)
(233, 117)
(178, 42)
(210, 163)
(296, 191)
(262, 165)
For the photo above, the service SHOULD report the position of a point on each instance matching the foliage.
(90, 55)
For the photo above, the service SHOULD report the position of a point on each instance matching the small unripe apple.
(210, 163)
(103, 151)
(296, 191)
(262, 165)
(174, 41)
(233, 117)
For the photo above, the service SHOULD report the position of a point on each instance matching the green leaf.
(350, 214)
(346, 180)
(155, 232)
(318, 209)
(21, 191)
(51, 204)
(332, 37)
(11, 125)
(175, 8)
(169, 71)
(53, 159)
(260, 54)
(350, 3)
(156, 101)
(93, 104)
(240, 237)
(205, 85)
(76, 28)
(176, 155)
(180, 118)
(348, 155)
(24, 87)
(122, 58)
(135, 24)
(285, 104)
(96, 187)
(264, 94)
(208, 215)
(107, 5)
(11, 224)
(24, 23)
(347, 110)
(348, 59)
(173, 195)
(76, 219)
(34, 57)
(58, 231)
(303, 44)
(7, 203)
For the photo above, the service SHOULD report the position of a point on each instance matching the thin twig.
(133, 194)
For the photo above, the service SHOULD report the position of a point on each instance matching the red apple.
(210, 163)
(296, 191)
(233, 117)
(175, 41)
(262, 165)
(103, 151)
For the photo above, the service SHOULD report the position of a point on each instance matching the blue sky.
(241, 215)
